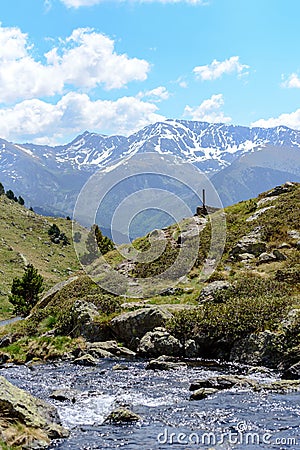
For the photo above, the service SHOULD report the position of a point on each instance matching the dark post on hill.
(202, 210)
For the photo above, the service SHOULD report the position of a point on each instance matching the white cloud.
(293, 81)
(79, 3)
(181, 81)
(208, 111)
(155, 95)
(85, 60)
(34, 119)
(217, 68)
(291, 120)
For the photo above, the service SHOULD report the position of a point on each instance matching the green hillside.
(25, 240)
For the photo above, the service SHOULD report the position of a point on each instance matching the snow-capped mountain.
(51, 177)
(210, 146)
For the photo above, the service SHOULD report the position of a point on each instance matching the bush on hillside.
(56, 236)
(253, 304)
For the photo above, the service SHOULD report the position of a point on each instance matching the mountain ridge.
(50, 177)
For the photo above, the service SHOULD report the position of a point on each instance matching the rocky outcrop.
(4, 358)
(282, 189)
(251, 243)
(266, 257)
(212, 290)
(159, 342)
(27, 421)
(85, 322)
(132, 326)
(258, 349)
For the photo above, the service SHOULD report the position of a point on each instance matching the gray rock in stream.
(202, 393)
(109, 349)
(165, 363)
(122, 415)
(85, 360)
(63, 395)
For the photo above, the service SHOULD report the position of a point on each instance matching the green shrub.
(251, 305)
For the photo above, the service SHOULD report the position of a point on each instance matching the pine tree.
(10, 194)
(25, 291)
(96, 244)
(54, 233)
(2, 190)
(104, 243)
(21, 201)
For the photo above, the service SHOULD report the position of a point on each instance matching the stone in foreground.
(26, 421)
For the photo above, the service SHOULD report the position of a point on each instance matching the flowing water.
(231, 419)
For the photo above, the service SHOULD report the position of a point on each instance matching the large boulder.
(130, 327)
(259, 349)
(159, 342)
(27, 421)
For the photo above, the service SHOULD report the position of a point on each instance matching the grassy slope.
(274, 225)
(24, 239)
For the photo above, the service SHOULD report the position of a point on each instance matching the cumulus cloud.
(293, 81)
(155, 95)
(79, 3)
(208, 111)
(85, 60)
(218, 68)
(291, 120)
(34, 119)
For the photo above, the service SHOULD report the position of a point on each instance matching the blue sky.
(115, 66)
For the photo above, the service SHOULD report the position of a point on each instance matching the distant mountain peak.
(52, 176)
